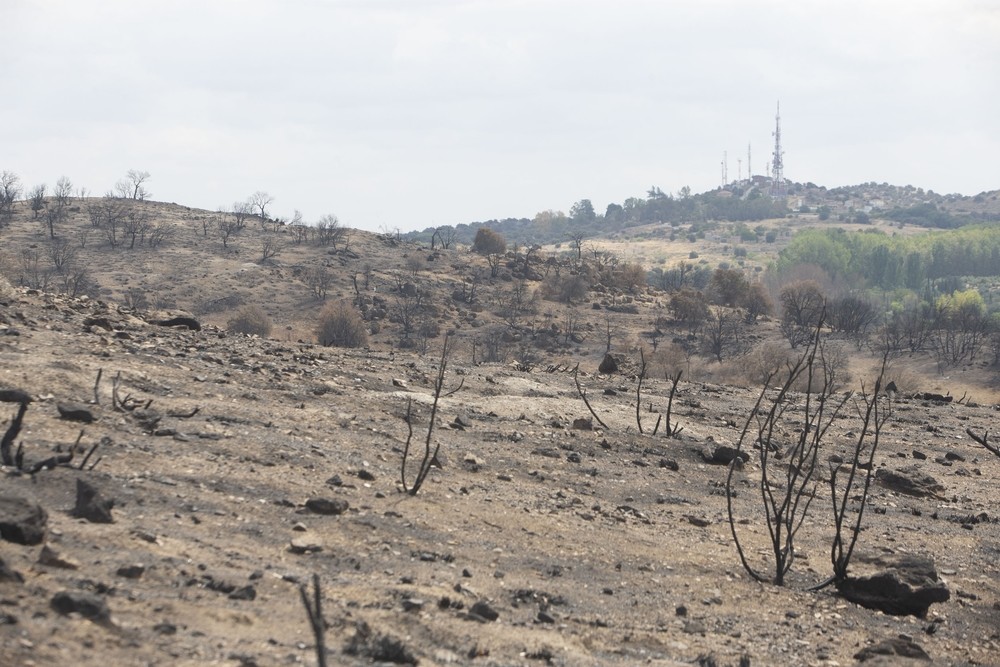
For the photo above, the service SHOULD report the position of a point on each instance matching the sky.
(405, 114)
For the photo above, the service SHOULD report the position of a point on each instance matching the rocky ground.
(237, 468)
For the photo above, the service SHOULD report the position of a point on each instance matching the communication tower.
(778, 188)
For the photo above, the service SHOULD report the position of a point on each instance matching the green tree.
(583, 212)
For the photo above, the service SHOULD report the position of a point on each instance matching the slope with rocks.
(584, 546)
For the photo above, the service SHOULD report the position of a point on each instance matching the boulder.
(910, 481)
(327, 506)
(88, 605)
(608, 365)
(722, 455)
(901, 647)
(906, 587)
(22, 520)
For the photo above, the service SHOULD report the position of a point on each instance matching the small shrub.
(340, 325)
(250, 320)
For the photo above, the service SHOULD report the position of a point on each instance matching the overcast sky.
(412, 113)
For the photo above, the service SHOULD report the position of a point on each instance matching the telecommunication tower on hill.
(778, 188)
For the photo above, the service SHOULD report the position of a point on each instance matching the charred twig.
(49, 463)
(583, 395)
(455, 390)
(983, 440)
(184, 415)
(103, 441)
(115, 403)
(97, 384)
(314, 608)
(638, 389)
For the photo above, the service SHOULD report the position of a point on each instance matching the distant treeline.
(657, 207)
(873, 259)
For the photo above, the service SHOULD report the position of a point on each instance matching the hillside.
(240, 466)
(593, 546)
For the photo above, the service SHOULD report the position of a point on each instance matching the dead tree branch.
(314, 608)
(583, 395)
(983, 440)
(429, 457)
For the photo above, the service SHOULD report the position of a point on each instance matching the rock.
(910, 481)
(11, 395)
(919, 455)
(396, 382)
(305, 543)
(903, 647)
(462, 422)
(92, 504)
(181, 321)
(907, 587)
(545, 617)
(547, 452)
(931, 396)
(723, 455)
(379, 647)
(133, 571)
(608, 365)
(22, 520)
(9, 575)
(484, 611)
(53, 558)
(583, 424)
(669, 464)
(327, 506)
(88, 605)
(698, 521)
(413, 604)
(694, 627)
(76, 412)
(245, 593)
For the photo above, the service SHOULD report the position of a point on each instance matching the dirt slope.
(589, 547)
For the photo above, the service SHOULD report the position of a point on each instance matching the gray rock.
(305, 543)
(92, 504)
(76, 412)
(52, 558)
(327, 506)
(88, 605)
(722, 455)
(247, 592)
(903, 647)
(907, 587)
(134, 571)
(9, 575)
(12, 395)
(485, 611)
(22, 520)
(910, 481)
(608, 365)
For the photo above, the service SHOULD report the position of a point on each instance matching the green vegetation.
(873, 259)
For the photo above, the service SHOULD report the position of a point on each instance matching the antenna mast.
(749, 170)
(777, 162)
